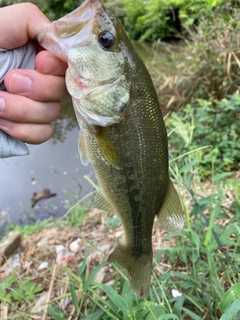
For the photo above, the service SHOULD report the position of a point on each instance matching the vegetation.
(192, 278)
(205, 124)
(148, 19)
(24, 290)
(197, 81)
(204, 67)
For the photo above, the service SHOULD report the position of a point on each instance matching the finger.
(35, 85)
(24, 110)
(19, 23)
(46, 62)
(30, 133)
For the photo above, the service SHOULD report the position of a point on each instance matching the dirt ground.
(93, 235)
(39, 260)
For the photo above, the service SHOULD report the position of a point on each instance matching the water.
(54, 164)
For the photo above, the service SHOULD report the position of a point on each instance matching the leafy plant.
(55, 9)
(5, 295)
(12, 290)
(25, 291)
(207, 124)
(145, 19)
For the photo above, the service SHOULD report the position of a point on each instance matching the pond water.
(54, 164)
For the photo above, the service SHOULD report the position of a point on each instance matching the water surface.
(55, 165)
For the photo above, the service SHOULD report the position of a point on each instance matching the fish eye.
(106, 39)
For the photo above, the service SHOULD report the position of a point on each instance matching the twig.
(50, 291)
(3, 312)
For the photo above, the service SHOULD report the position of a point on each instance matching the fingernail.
(20, 83)
(2, 104)
(5, 123)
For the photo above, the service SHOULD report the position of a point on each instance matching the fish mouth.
(73, 30)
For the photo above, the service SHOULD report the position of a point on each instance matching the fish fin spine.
(108, 148)
(82, 149)
(139, 268)
(103, 204)
(171, 215)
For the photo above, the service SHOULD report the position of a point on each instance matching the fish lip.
(78, 23)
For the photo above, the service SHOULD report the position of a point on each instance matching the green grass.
(194, 265)
(197, 269)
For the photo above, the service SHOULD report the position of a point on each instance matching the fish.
(122, 131)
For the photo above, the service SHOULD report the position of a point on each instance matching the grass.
(192, 278)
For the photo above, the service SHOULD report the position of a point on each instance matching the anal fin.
(103, 204)
(171, 215)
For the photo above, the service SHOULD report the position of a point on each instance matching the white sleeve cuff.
(19, 58)
(10, 146)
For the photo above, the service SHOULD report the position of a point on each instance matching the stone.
(9, 246)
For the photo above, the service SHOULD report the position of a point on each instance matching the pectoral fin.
(82, 150)
(171, 216)
(107, 147)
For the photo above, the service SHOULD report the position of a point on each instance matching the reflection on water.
(65, 123)
(55, 165)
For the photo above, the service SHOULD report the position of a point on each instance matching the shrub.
(146, 19)
(205, 123)
(207, 67)
(154, 19)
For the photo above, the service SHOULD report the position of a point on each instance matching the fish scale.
(122, 132)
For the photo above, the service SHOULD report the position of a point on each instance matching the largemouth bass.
(122, 132)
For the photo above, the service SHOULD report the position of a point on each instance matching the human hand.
(32, 100)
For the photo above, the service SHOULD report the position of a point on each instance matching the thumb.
(19, 23)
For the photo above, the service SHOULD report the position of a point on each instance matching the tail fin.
(138, 267)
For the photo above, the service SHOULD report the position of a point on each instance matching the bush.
(205, 123)
(154, 19)
(146, 19)
(56, 9)
(207, 67)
